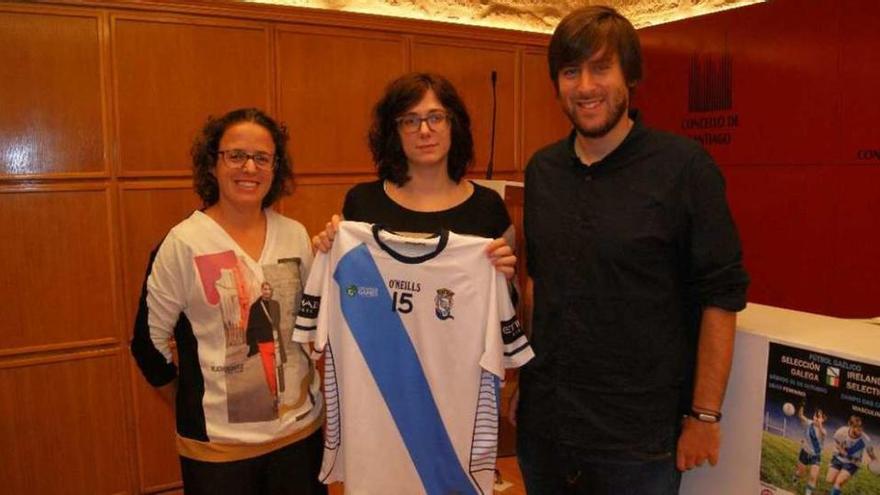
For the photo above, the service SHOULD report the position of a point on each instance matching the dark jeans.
(551, 469)
(290, 470)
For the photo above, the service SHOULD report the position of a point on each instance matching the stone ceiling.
(523, 15)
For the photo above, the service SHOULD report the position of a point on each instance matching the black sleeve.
(717, 274)
(151, 362)
(496, 212)
(528, 218)
(349, 206)
(362, 202)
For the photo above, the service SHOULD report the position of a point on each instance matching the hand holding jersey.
(323, 241)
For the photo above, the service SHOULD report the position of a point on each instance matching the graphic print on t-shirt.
(266, 374)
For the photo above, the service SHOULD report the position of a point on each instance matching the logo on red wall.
(710, 83)
(711, 118)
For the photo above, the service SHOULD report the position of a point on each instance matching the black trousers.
(552, 469)
(290, 470)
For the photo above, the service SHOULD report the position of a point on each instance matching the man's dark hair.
(402, 94)
(207, 143)
(589, 30)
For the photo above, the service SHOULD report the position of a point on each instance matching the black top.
(482, 214)
(623, 254)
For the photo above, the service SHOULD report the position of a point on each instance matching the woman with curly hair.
(223, 284)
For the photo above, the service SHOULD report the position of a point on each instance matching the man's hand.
(324, 241)
(699, 441)
(502, 257)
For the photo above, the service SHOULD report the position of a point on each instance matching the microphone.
(491, 165)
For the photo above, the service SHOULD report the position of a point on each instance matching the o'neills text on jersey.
(406, 285)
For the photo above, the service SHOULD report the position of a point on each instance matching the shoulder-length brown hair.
(402, 94)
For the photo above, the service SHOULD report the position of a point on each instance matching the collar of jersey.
(442, 236)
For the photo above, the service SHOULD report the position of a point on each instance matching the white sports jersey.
(853, 448)
(813, 437)
(416, 334)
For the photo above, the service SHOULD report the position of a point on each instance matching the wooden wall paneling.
(315, 199)
(171, 73)
(158, 465)
(60, 269)
(468, 66)
(543, 122)
(148, 210)
(63, 428)
(329, 80)
(52, 123)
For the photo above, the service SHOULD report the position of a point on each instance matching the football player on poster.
(811, 447)
(851, 443)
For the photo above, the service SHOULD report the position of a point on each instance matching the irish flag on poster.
(832, 376)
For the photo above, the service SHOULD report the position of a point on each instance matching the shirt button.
(588, 178)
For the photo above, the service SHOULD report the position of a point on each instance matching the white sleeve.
(506, 344)
(168, 284)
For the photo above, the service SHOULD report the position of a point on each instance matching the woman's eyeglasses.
(410, 123)
(238, 158)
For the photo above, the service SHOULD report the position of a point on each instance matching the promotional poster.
(821, 424)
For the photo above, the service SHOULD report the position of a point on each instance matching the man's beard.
(618, 110)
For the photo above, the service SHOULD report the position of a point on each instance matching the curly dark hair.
(402, 94)
(207, 143)
(585, 31)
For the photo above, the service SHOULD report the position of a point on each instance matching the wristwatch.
(706, 416)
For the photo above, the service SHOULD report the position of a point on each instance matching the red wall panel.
(798, 141)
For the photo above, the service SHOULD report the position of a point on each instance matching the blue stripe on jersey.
(856, 448)
(814, 439)
(394, 364)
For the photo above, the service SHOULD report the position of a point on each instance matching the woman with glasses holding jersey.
(224, 284)
(421, 144)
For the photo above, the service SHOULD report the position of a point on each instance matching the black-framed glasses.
(237, 158)
(410, 123)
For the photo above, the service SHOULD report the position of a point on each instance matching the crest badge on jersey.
(443, 303)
